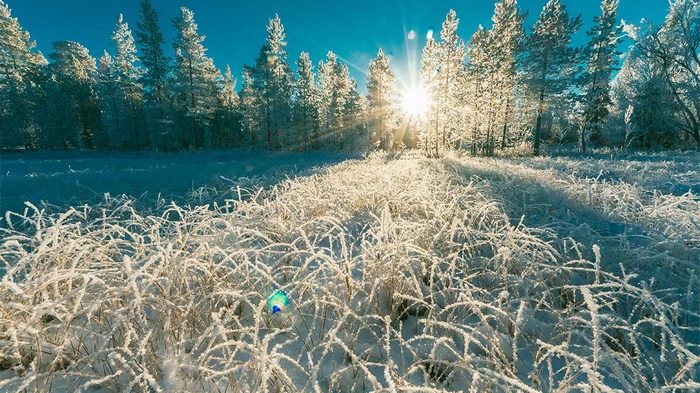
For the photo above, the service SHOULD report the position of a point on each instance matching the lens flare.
(412, 35)
(278, 302)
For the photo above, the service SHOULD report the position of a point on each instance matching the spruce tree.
(430, 69)
(480, 73)
(443, 77)
(111, 102)
(272, 81)
(195, 83)
(507, 37)
(228, 117)
(382, 101)
(600, 52)
(279, 86)
(251, 109)
(451, 79)
(128, 75)
(549, 61)
(306, 105)
(336, 88)
(20, 71)
(155, 77)
(73, 94)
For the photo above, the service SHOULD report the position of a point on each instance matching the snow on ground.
(73, 178)
(405, 275)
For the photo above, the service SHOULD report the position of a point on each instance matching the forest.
(507, 89)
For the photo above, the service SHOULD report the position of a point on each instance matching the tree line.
(506, 88)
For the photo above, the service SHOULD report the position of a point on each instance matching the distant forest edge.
(504, 89)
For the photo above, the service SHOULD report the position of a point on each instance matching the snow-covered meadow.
(55, 180)
(405, 274)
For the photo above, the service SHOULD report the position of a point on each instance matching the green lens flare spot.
(278, 302)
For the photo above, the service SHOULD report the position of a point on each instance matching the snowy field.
(404, 274)
(71, 179)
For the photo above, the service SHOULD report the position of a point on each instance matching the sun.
(415, 102)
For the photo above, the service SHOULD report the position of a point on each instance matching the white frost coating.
(451, 274)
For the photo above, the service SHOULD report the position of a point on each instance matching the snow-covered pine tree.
(381, 95)
(451, 79)
(443, 77)
(228, 121)
(548, 60)
(111, 102)
(195, 84)
(20, 72)
(336, 87)
(255, 102)
(305, 109)
(430, 68)
(507, 38)
(279, 85)
(362, 138)
(354, 132)
(155, 78)
(72, 96)
(479, 73)
(128, 76)
(600, 53)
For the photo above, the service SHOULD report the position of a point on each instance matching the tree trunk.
(505, 124)
(538, 126)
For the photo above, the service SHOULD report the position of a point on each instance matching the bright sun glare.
(415, 102)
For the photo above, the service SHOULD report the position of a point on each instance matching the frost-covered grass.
(405, 275)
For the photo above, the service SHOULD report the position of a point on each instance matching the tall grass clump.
(404, 275)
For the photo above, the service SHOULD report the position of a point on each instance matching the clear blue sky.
(235, 30)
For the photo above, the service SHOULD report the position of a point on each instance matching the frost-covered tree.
(675, 47)
(548, 60)
(20, 71)
(381, 96)
(128, 82)
(355, 132)
(250, 105)
(506, 38)
(155, 77)
(641, 86)
(443, 77)
(279, 85)
(479, 76)
(336, 88)
(72, 98)
(272, 82)
(255, 102)
(600, 53)
(430, 68)
(111, 103)
(228, 121)
(306, 103)
(195, 84)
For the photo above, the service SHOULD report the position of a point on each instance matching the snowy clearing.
(405, 275)
(76, 178)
